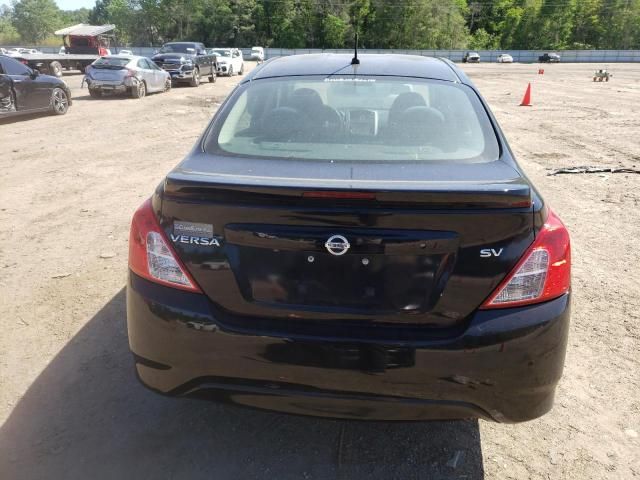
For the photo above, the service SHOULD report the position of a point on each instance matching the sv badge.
(490, 252)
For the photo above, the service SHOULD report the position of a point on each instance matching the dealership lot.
(70, 406)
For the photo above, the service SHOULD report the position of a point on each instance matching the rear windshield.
(346, 118)
(113, 61)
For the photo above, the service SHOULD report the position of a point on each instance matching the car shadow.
(14, 118)
(87, 416)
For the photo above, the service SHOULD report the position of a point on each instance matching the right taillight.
(151, 256)
(543, 273)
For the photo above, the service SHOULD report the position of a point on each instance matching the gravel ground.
(70, 406)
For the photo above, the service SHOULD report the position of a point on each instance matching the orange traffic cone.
(526, 100)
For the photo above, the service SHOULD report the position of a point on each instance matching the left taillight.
(151, 255)
(543, 273)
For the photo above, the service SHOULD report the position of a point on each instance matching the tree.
(35, 20)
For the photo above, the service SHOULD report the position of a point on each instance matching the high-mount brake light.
(330, 194)
(151, 256)
(543, 273)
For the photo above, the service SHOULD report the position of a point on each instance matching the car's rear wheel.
(167, 84)
(55, 69)
(241, 72)
(59, 101)
(140, 91)
(213, 77)
(195, 79)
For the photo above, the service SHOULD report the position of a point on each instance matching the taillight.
(151, 256)
(131, 73)
(543, 273)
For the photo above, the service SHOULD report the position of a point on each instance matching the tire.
(195, 79)
(140, 91)
(167, 85)
(213, 77)
(230, 72)
(241, 72)
(8, 106)
(55, 68)
(59, 101)
(95, 93)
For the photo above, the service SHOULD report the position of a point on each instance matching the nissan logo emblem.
(337, 245)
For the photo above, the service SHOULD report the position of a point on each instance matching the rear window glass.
(346, 118)
(118, 62)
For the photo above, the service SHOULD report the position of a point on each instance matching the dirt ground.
(70, 406)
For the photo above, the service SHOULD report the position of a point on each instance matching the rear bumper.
(119, 86)
(503, 367)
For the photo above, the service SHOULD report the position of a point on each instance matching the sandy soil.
(70, 406)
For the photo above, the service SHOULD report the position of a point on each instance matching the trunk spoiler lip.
(462, 195)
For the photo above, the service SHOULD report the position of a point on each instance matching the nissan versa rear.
(352, 241)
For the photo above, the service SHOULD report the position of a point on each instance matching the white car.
(504, 58)
(229, 60)
(125, 52)
(257, 54)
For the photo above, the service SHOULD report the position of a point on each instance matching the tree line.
(402, 24)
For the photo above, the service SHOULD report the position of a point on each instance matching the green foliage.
(400, 24)
(35, 20)
(8, 33)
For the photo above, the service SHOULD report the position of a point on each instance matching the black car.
(549, 58)
(345, 242)
(187, 62)
(23, 90)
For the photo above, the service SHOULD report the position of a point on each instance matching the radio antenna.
(355, 60)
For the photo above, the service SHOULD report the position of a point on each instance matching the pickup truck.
(187, 62)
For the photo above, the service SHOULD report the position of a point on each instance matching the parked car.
(133, 75)
(345, 242)
(230, 61)
(23, 90)
(471, 57)
(504, 58)
(12, 52)
(257, 54)
(186, 62)
(125, 52)
(549, 58)
(30, 51)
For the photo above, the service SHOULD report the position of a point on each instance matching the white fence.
(524, 56)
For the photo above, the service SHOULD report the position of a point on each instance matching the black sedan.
(549, 58)
(346, 242)
(23, 90)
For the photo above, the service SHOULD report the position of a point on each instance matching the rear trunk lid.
(422, 252)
